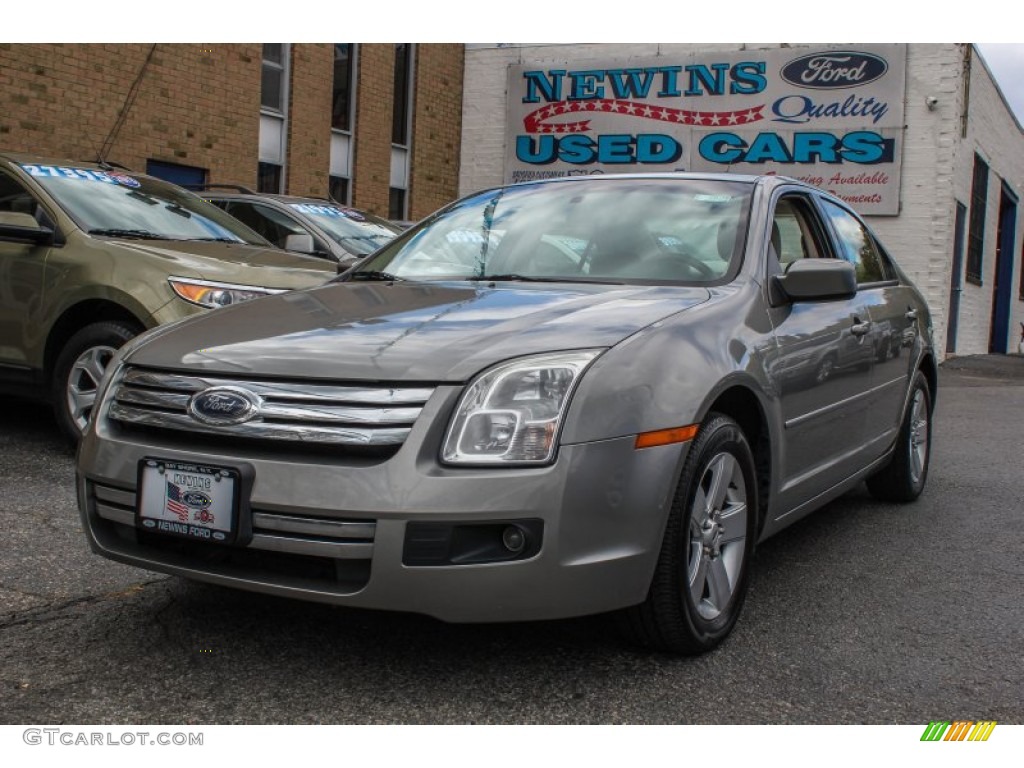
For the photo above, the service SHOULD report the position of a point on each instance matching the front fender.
(670, 373)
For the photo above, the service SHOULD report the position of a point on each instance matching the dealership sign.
(830, 117)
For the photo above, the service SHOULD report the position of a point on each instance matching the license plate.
(194, 501)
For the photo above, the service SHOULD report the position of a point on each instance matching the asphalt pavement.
(863, 612)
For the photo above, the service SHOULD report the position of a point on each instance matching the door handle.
(911, 314)
(860, 328)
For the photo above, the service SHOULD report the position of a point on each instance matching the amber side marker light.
(666, 436)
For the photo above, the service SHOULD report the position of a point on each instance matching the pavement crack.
(54, 611)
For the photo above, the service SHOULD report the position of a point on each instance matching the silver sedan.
(546, 400)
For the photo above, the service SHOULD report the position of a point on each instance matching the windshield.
(357, 232)
(121, 204)
(615, 230)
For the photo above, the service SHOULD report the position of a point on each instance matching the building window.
(398, 207)
(339, 187)
(402, 95)
(269, 178)
(273, 118)
(188, 176)
(976, 231)
(341, 102)
(342, 111)
(396, 204)
(274, 70)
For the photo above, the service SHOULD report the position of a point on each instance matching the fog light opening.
(514, 539)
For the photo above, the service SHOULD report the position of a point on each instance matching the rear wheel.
(904, 477)
(701, 577)
(79, 370)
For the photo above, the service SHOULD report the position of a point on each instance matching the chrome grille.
(273, 531)
(302, 412)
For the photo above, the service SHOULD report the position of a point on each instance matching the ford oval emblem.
(224, 406)
(197, 499)
(834, 69)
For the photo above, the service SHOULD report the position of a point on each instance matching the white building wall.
(993, 133)
(937, 162)
(921, 237)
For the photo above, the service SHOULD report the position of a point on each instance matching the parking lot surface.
(863, 612)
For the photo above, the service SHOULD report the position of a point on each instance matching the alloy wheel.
(84, 381)
(918, 437)
(718, 529)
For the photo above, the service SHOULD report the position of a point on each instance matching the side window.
(795, 234)
(856, 245)
(14, 198)
(272, 224)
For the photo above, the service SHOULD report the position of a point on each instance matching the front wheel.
(79, 370)
(700, 580)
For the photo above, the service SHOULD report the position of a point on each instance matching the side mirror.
(815, 280)
(299, 242)
(23, 228)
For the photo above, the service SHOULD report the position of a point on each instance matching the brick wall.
(437, 127)
(197, 104)
(374, 100)
(309, 119)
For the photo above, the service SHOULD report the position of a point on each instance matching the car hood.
(235, 263)
(425, 332)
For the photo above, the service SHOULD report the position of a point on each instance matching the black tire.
(903, 478)
(100, 340)
(671, 618)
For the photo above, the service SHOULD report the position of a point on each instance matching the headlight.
(213, 295)
(510, 414)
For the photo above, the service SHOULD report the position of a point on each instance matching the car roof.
(768, 179)
(243, 193)
(30, 159)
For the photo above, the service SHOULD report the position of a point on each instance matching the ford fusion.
(547, 400)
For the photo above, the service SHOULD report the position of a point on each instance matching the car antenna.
(129, 101)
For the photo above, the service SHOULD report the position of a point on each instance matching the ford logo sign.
(834, 69)
(224, 406)
(197, 499)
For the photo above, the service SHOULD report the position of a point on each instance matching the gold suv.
(91, 256)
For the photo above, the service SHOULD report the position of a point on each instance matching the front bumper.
(334, 529)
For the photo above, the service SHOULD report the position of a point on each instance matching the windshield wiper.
(512, 277)
(139, 234)
(213, 240)
(375, 275)
(515, 277)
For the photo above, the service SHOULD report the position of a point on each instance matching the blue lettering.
(669, 86)
(615, 149)
(550, 89)
(815, 147)
(748, 77)
(864, 147)
(631, 83)
(700, 75)
(657, 148)
(584, 85)
(792, 109)
(539, 150)
(578, 150)
(768, 146)
(721, 147)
